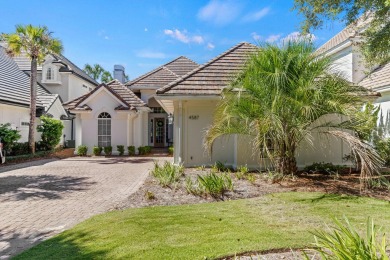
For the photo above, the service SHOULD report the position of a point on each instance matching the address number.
(193, 117)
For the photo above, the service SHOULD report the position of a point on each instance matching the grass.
(204, 231)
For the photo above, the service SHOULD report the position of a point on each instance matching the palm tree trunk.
(286, 165)
(33, 104)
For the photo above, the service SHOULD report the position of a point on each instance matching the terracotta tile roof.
(380, 77)
(125, 95)
(164, 74)
(212, 77)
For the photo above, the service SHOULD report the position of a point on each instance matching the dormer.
(50, 72)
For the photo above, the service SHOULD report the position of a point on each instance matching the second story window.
(49, 74)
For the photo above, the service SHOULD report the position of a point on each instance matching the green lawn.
(281, 220)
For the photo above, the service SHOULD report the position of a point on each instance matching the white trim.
(337, 48)
(98, 91)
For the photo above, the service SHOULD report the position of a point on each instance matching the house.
(127, 114)
(15, 98)
(347, 59)
(192, 100)
(58, 75)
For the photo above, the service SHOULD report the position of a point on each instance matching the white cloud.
(256, 37)
(297, 36)
(106, 37)
(255, 16)
(103, 34)
(273, 38)
(146, 29)
(183, 36)
(210, 46)
(220, 12)
(150, 54)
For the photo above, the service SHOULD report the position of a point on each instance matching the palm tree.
(282, 95)
(36, 43)
(106, 77)
(94, 71)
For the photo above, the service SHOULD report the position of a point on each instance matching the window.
(104, 130)
(158, 110)
(49, 74)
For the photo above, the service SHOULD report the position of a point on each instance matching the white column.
(179, 146)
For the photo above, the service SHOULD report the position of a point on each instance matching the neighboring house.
(117, 114)
(192, 100)
(344, 51)
(15, 98)
(60, 76)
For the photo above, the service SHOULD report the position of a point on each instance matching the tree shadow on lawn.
(23, 187)
(67, 245)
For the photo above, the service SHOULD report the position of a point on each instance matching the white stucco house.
(127, 114)
(59, 76)
(15, 98)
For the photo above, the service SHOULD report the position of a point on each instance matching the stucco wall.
(76, 87)
(343, 63)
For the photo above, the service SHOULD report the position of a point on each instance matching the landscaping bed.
(61, 154)
(152, 194)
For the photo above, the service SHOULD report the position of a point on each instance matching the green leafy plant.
(382, 146)
(344, 242)
(219, 167)
(131, 150)
(170, 150)
(148, 149)
(107, 150)
(379, 182)
(242, 172)
(168, 173)
(273, 177)
(149, 195)
(82, 150)
(215, 184)
(8, 136)
(19, 149)
(97, 150)
(121, 149)
(323, 168)
(51, 131)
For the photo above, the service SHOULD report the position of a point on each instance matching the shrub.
(19, 149)
(97, 150)
(9, 137)
(121, 149)
(107, 150)
(344, 242)
(141, 150)
(379, 182)
(382, 146)
(148, 149)
(242, 172)
(170, 150)
(82, 150)
(131, 150)
(324, 168)
(168, 173)
(51, 130)
(214, 184)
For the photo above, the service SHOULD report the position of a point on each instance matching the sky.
(142, 35)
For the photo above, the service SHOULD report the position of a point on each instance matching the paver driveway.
(42, 198)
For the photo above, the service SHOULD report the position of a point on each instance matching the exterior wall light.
(170, 119)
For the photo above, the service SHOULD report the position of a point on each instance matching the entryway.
(159, 132)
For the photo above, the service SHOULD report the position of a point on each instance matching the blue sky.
(142, 35)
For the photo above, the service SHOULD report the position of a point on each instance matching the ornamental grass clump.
(344, 242)
(215, 185)
(167, 174)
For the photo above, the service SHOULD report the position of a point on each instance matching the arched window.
(104, 129)
(49, 74)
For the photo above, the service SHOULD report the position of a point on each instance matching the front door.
(159, 132)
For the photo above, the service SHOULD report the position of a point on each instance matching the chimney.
(119, 73)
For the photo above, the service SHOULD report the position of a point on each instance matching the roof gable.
(164, 74)
(212, 77)
(128, 100)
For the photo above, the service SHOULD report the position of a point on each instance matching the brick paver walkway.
(42, 198)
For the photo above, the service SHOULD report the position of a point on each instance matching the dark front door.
(159, 132)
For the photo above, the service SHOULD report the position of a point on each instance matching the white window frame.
(104, 129)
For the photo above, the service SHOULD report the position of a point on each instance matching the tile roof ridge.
(122, 86)
(184, 77)
(131, 82)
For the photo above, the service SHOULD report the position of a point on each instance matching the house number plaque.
(193, 117)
